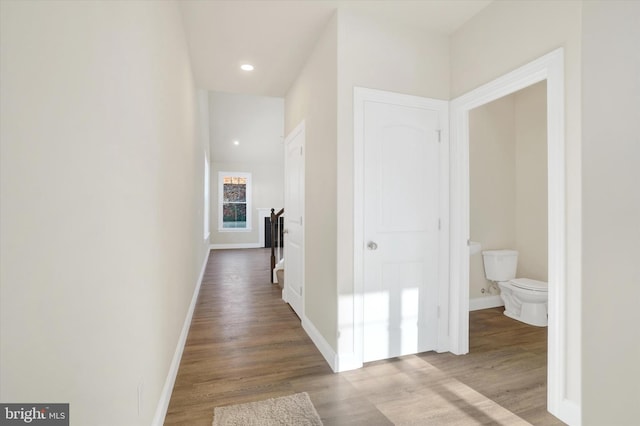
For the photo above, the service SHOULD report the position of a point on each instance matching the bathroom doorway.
(549, 68)
(508, 188)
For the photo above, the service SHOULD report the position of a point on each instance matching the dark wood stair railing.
(275, 238)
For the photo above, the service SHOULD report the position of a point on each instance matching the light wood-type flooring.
(245, 345)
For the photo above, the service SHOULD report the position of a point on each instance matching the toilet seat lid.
(530, 284)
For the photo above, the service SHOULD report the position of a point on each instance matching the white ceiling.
(256, 122)
(277, 35)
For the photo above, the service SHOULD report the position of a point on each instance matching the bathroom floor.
(507, 362)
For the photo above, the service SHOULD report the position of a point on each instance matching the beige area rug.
(291, 410)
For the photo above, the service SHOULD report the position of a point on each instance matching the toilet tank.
(500, 265)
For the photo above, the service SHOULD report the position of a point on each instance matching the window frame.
(248, 192)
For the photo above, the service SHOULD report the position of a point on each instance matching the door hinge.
(438, 311)
(300, 220)
(300, 150)
(439, 224)
(439, 135)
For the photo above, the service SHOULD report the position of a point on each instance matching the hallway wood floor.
(245, 345)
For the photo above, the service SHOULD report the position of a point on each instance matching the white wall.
(381, 55)
(203, 120)
(353, 51)
(611, 205)
(508, 182)
(257, 123)
(312, 98)
(499, 39)
(531, 213)
(101, 212)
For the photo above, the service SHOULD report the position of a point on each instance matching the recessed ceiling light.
(246, 67)
(236, 143)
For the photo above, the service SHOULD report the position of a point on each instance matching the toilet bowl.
(524, 299)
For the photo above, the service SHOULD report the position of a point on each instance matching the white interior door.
(293, 292)
(401, 229)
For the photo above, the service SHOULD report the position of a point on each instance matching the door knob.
(285, 231)
(372, 245)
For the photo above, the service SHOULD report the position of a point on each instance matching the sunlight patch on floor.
(398, 390)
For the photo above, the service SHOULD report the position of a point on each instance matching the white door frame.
(360, 96)
(550, 68)
(299, 129)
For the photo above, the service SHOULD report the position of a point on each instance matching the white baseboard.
(347, 362)
(485, 303)
(569, 412)
(165, 396)
(235, 246)
(325, 349)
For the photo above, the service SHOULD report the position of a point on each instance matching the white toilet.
(524, 299)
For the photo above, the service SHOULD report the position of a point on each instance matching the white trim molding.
(323, 346)
(165, 396)
(234, 246)
(486, 302)
(549, 67)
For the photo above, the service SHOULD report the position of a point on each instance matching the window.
(234, 206)
(207, 201)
